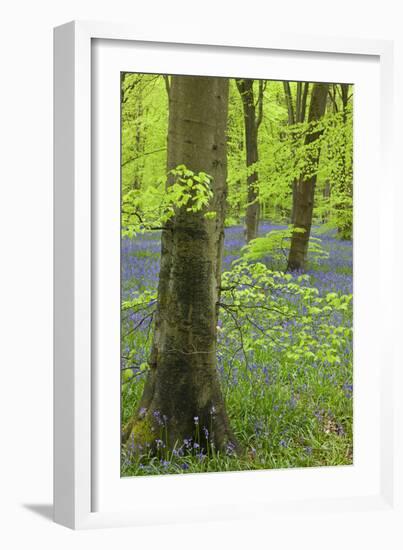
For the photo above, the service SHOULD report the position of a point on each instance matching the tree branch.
(288, 101)
(128, 161)
(148, 316)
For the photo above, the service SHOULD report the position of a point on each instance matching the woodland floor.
(284, 413)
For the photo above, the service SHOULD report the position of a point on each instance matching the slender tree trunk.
(183, 383)
(239, 204)
(295, 116)
(346, 189)
(306, 185)
(301, 116)
(252, 210)
(289, 102)
(291, 121)
(294, 200)
(139, 145)
(122, 86)
(344, 178)
(252, 122)
(326, 195)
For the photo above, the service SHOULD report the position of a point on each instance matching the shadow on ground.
(44, 510)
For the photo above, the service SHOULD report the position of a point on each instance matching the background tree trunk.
(346, 183)
(305, 191)
(295, 116)
(343, 185)
(252, 122)
(183, 381)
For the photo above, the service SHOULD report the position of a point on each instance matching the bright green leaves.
(211, 215)
(140, 301)
(276, 312)
(151, 208)
(337, 169)
(144, 119)
(127, 375)
(275, 246)
(187, 189)
(286, 157)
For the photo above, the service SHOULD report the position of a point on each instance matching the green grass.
(302, 417)
(285, 413)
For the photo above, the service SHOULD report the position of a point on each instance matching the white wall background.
(26, 257)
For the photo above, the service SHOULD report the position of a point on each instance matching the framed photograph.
(219, 208)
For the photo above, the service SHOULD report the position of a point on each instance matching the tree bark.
(252, 122)
(295, 116)
(343, 185)
(305, 191)
(346, 228)
(289, 102)
(139, 144)
(183, 387)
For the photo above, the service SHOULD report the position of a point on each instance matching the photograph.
(236, 261)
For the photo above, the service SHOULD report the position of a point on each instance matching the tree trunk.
(305, 190)
(139, 145)
(294, 188)
(346, 189)
(182, 396)
(326, 195)
(295, 116)
(251, 122)
(343, 177)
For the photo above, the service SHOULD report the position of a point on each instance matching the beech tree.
(305, 188)
(342, 173)
(182, 386)
(253, 115)
(296, 114)
(216, 344)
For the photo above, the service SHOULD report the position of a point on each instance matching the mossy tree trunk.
(305, 189)
(253, 114)
(182, 395)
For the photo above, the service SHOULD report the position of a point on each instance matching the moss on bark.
(183, 383)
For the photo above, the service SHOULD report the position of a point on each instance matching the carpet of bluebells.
(287, 409)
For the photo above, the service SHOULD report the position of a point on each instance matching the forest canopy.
(283, 153)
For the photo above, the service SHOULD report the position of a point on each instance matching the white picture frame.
(77, 472)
